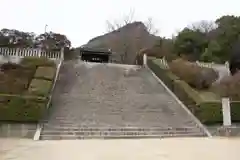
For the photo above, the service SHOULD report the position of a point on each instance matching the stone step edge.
(60, 129)
(57, 137)
(118, 128)
(117, 132)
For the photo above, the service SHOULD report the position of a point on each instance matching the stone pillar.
(144, 60)
(226, 111)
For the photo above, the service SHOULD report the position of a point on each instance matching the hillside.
(125, 42)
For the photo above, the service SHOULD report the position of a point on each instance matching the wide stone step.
(69, 125)
(130, 132)
(105, 135)
(112, 133)
(117, 128)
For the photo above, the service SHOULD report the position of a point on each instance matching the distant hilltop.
(125, 42)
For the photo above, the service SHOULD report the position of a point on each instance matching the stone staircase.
(69, 132)
(114, 101)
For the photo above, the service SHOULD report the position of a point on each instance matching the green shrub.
(47, 73)
(22, 109)
(208, 111)
(171, 57)
(187, 93)
(12, 84)
(15, 79)
(162, 73)
(36, 61)
(9, 66)
(211, 112)
(230, 87)
(185, 70)
(22, 98)
(206, 78)
(40, 87)
(197, 77)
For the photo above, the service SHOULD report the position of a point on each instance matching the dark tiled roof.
(95, 50)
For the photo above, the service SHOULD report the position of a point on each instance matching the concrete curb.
(180, 103)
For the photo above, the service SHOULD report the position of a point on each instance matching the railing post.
(39, 52)
(212, 64)
(144, 60)
(62, 54)
(227, 66)
(165, 63)
(226, 112)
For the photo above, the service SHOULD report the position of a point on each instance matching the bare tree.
(204, 26)
(129, 18)
(150, 26)
(116, 24)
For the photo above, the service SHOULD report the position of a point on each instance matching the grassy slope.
(24, 90)
(206, 95)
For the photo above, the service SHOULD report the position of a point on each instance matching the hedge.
(24, 89)
(36, 62)
(208, 112)
(162, 73)
(14, 81)
(46, 73)
(211, 112)
(40, 87)
(21, 108)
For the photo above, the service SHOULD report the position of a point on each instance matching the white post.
(17, 52)
(62, 54)
(226, 64)
(145, 60)
(226, 110)
(39, 52)
(212, 64)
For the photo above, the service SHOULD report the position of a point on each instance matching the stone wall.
(17, 130)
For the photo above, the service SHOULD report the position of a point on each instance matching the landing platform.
(151, 149)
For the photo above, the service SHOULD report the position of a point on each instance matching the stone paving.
(139, 149)
(91, 95)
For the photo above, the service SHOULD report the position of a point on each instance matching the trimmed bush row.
(196, 76)
(40, 87)
(46, 73)
(208, 112)
(21, 108)
(16, 78)
(25, 88)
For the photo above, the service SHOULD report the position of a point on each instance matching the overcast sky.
(82, 20)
